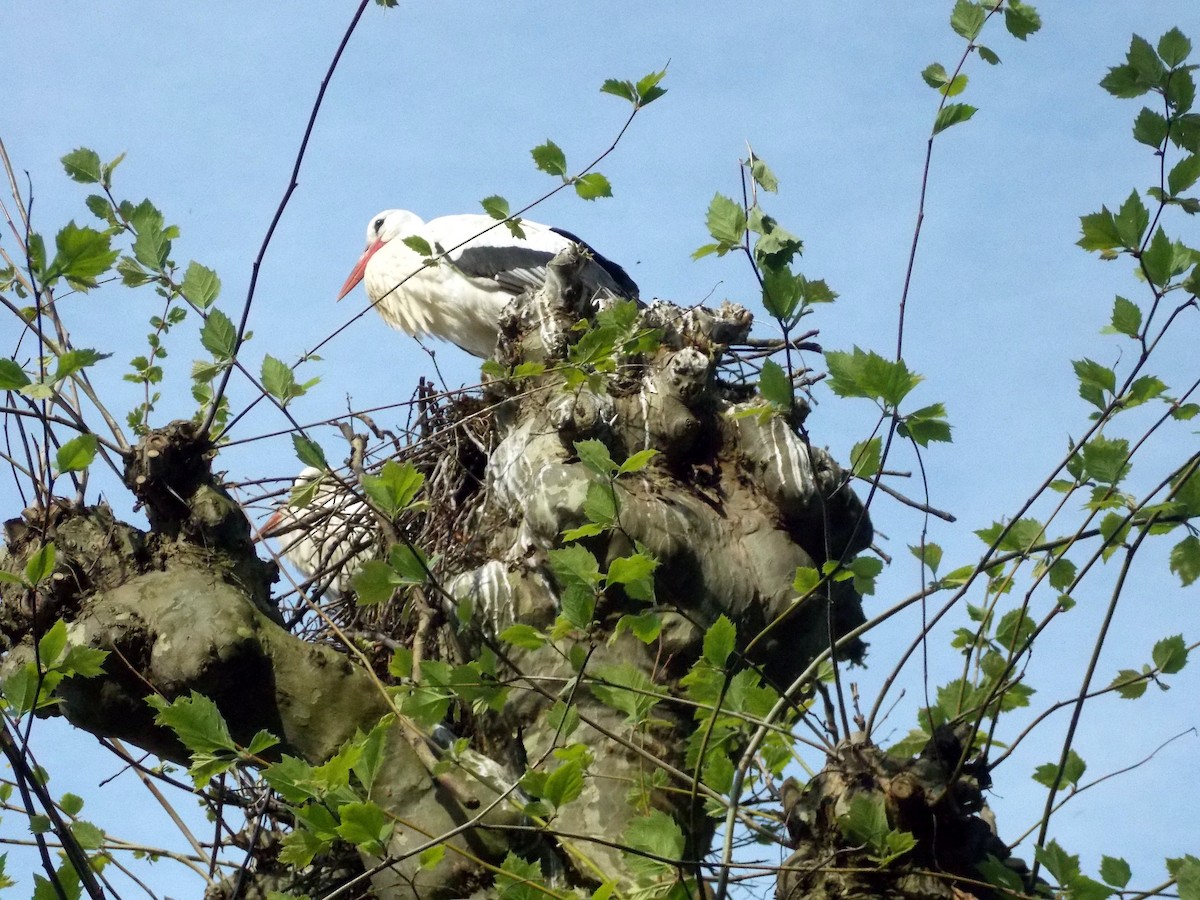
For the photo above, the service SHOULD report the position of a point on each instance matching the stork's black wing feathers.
(626, 286)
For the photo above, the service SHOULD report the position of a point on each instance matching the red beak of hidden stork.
(360, 268)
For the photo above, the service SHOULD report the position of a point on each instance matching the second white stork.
(460, 298)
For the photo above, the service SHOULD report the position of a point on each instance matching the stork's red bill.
(460, 298)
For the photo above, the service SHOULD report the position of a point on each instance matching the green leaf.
(73, 361)
(575, 565)
(595, 456)
(262, 740)
(775, 246)
(374, 582)
(1020, 537)
(107, 170)
(1062, 574)
(926, 424)
(564, 784)
(549, 158)
(1131, 221)
(410, 563)
(394, 488)
(775, 386)
(1150, 128)
(1099, 231)
(646, 627)
(623, 89)
(309, 452)
(806, 580)
(1122, 81)
(782, 291)
(635, 573)
(76, 454)
(719, 642)
(1014, 629)
(967, 19)
(1141, 72)
(1001, 876)
(200, 285)
(1106, 460)
(1021, 19)
(1115, 871)
(866, 821)
(82, 254)
(763, 176)
(865, 569)
(1170, 654)
(637, 462)
(865, 457)
(152, 246)
(955, 87)
(600, 505)
(218, 335)
(987, 55)
(495, 206)
(420, 246)
(1159, 258)
(1062, 865)
(364, 825)
(626, 689)
(648, 89)
(1185, 560)
(431, 856)
(1095, 381)
(1144, 389)
(1126, 317)
(131, 272)
(525, 636)
(300, 846)
(1181, 94)
(1186, 872)
(12, 376)
(592, 186)
(52, 645)
(40, 564)
(935, 76)
(1129, 684)
(929, 554)
(726, 222)
(861, 374)
(1047, 774)
(952, 114)
(85, 662)
(279, 381)
(1174, 48)
(1145, 61)
(195, 720)
(1184, 174)
(657, 834)
(83, 165)
(517, 878)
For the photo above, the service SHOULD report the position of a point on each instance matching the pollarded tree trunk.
(734, 502)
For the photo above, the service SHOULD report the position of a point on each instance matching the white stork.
(330, 537)
(460, 298)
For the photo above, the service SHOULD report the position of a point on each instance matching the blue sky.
(436, 106)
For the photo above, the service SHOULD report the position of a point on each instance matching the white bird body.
(461, 297)
(330, 537)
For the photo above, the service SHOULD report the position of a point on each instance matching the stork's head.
(383, 227)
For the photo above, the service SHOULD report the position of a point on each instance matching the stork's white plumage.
(461, 297)
(327, 539)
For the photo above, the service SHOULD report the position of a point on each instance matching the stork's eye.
(378, 225)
